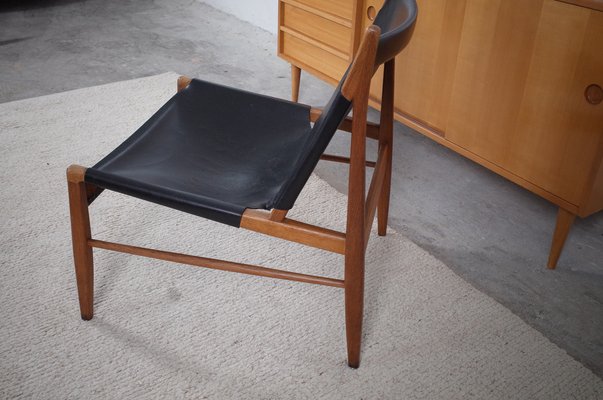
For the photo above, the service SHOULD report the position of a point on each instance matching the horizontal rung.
(346, 160)
(213, 263)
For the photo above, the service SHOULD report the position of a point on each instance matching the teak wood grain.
(260, 221)
(356, 88)
(80, 234)
(278, 215)
(354, 85)
(213, 263)
(386, 132)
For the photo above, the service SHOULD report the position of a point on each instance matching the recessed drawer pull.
(593, 94)
(371, 13)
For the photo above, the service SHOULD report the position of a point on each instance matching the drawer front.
(316, 27)
(307, 55)
(340, 8)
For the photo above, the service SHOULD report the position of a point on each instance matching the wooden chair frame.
(360, 209)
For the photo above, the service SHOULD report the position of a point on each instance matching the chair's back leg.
(80, 234)
(356, 88)
(355, 243)
(386, 139)
(355, 235)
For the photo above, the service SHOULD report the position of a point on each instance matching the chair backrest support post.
(356, 89)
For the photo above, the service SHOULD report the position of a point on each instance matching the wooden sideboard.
(514, 85)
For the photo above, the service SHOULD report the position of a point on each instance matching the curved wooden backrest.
(396, 19)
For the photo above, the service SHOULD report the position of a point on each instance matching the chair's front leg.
(355, 243)
(80, 234)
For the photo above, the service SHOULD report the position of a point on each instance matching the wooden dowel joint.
(278, 215)
(294, 231)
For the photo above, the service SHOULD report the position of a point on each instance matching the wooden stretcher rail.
(345, 160)
(212, 263)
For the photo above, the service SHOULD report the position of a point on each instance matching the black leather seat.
(212, 151)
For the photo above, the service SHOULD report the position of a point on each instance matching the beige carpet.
(169, 331)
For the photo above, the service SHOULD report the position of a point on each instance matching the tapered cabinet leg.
(80, 234)
(295, 81)
(565, 219)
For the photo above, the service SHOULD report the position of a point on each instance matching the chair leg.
(386, 132)
(354, 303)
(383, 206)
(80, 234)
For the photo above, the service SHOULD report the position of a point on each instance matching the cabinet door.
(558, 131)
(425, 69)
(518, 92)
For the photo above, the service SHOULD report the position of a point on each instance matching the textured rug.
(164, 330)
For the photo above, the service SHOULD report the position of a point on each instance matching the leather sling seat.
(214, 151)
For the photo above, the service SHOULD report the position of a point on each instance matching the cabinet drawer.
(308, 55)
(340, 8)
(316, 27)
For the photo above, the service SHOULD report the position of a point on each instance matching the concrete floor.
(489, 231)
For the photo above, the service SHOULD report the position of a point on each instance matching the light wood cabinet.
(514, 85)
(318, 36)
